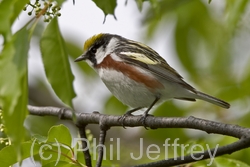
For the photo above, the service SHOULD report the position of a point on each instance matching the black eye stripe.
(101, 42)
(93, 49)
(93, 59)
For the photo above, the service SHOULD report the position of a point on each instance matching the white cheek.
(102, 53)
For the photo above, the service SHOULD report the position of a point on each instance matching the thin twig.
(86, 153)
(102, 137)
(228, 149)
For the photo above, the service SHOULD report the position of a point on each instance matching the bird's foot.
(123, 117)
(143, 119)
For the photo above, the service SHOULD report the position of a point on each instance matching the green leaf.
(54, 153)
(139, 4)
(75, 51)
(18, 7)
(34, 125)
(114, 106)
(9, 11)
(108, 6)
(61, 134)
(56, 63)
(57, 146)
(182, 48)
(190, 33)
(235, 10)
(6, 8)
(61, 164)
(39, 138)
(14, 85)
(8, 155)
(60, 2)
(221, 162)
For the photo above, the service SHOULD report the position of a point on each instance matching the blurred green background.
(209, 45)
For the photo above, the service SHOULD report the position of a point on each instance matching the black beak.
(80, 58)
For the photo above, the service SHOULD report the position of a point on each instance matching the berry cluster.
(43, 7)
(3, 140)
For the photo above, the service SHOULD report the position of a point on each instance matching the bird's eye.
(93, 50)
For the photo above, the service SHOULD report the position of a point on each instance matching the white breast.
(126, 90)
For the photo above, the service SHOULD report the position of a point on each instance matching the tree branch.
(85, 145)
(107, 121)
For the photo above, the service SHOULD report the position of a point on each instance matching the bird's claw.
(62, 111)
(123, 117)
(143, 119)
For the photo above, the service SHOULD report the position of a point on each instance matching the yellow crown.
(89, 42)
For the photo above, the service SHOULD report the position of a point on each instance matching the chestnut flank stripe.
(131, 72)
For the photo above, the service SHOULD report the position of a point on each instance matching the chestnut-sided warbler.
(136, 74)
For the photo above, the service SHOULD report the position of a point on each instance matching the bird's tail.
(212, 99)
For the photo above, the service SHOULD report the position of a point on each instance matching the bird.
(137, 75)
